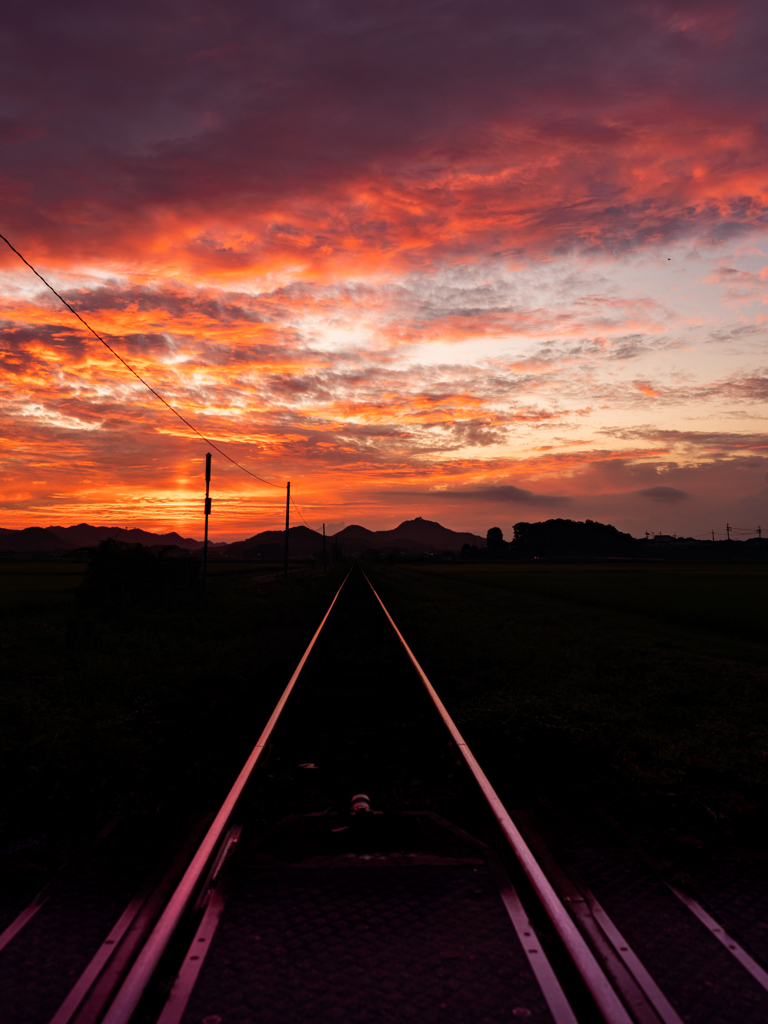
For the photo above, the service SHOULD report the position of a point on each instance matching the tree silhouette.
(494, 539)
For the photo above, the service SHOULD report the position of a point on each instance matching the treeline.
(568, 538)
(120, 576)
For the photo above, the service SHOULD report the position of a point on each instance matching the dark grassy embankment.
(640, 689)
(108, 710)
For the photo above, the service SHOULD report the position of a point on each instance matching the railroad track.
(423, 898)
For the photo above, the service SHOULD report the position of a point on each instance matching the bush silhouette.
(130, 574)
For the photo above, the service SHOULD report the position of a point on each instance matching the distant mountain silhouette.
(67, 538)
(85, 535)
(413, 536)
(33, 539)
(302, 543)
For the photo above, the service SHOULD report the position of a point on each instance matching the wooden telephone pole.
(207, 513)
(324, 565)
(287, 523)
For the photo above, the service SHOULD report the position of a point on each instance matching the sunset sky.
(482, 262)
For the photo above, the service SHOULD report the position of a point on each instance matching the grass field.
(727, 599)
(105, 712)
(43, 585)
(639, 688)
(643, 689)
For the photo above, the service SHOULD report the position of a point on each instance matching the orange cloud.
(285, 225)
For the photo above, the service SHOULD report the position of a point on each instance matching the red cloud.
(273, 210)
(269, 138)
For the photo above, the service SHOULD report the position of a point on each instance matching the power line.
(135, 374)
(300, 515)
(146, 385)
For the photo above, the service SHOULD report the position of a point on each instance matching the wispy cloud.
(504, 493)
(667, 495)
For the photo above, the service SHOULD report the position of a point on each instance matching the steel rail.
(23, 918)
(603, 993)
(735, 948)
(138, 978)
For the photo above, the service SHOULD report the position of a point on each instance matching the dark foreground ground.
(111, 711)
(640, 690)
(617, 705)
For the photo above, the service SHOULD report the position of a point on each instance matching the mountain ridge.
(69, 538)
(411, 536)
(85, 535)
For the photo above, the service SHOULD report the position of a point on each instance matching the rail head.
(131, 991)
(605, 996)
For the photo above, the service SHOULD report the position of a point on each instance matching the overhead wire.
(138, 377)
(184, 420)
(300, 515)
(708, 536)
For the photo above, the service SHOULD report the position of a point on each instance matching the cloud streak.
(667, 495)
(505, 493)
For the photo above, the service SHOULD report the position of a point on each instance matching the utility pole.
(287, 524)
(323, 547)
(713, 536)
(728, 530)
(207, 513)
